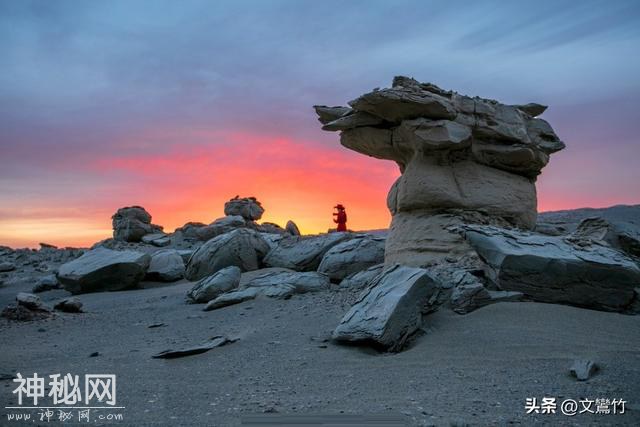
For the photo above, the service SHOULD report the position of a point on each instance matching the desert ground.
(474, 369)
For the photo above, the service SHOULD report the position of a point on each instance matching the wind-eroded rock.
(132, 223)
(457, 154)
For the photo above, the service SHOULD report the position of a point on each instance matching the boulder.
(303, 253)
(250, 275)
(7, 266)
(352, 256)
(131, 223)
(583, 369)
(203, 232)
(247, 207)
(242, 248)
(212, 286)
(166, 266)
(461, 159)
(301, 282)
(361, 279)
(46, 283)
(241, 295)
(617, 235)
(390, 310)
(30, 301)
(555, 270)
(292, 228)
(69, 305)
(103, 269)
(157, 239)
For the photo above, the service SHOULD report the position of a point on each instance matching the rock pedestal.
(462, 159)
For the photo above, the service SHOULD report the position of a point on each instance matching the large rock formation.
(130, 224)
(462, 159)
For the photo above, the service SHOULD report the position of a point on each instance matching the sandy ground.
(476, 369)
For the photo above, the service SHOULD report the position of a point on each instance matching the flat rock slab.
(552, 269)
(302, 282)
(103, 269)
(199, 349)
(390, 310)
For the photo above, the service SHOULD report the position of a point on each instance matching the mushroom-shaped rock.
(243, 248)
(248, 208)
(462, 159)
(131, 223)
(103, 269)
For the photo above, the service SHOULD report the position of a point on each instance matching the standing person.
(341, 217)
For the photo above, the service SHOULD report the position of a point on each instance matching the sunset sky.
(180, 105)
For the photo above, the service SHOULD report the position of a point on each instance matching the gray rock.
(7, 266)
(30, 301)
(583, 369)
(131, 223)
(157, 239)
(247, 207)
(103, 269)
(467, 298)
(214, 342)
(186, 254)
(329, 114)
(551, 269)
(47, 283)
(301, 282)
(251, 275)
(532, 109)
(390, 310)
(166, 265)
(201, 232)
(303, 253)
(460, 157)
(212, 286)
(242, 248)
(69, 305)
(352, 256)
(617, 235)
(280, 291)
(354, 120)
(292, 228)
(361, 279)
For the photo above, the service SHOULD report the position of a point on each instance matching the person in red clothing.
(341, 217)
